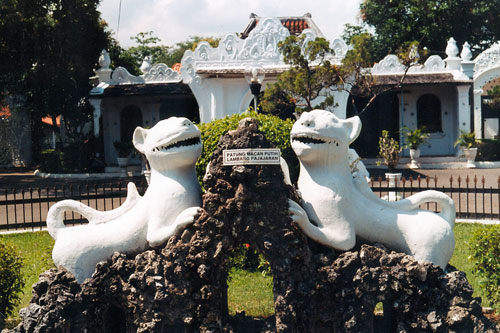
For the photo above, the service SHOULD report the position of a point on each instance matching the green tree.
(48, 51)
(146, 45)
(308, 81)
(432, 23)
(177, 52)
(360, 82)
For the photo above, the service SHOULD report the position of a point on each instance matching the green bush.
(75, 157)
(485, 249)
(489, 150)
(247, 258)
(11, 280)
(275, 129)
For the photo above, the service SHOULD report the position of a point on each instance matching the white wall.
(440, 143)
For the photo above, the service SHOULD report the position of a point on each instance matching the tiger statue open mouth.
(342, 206)
(171, 201)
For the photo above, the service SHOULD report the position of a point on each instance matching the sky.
(176, 20)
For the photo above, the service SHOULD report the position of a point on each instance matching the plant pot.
(393, 178)
(470, 156)
(122, 161)
(414, 157)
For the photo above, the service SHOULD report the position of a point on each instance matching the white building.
(214, 82)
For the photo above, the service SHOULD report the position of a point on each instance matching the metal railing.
(473, 199)
(26, 207)
(23, 207)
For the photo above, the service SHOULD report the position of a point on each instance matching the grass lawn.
(36, 249)
(248, 291)
(463, 234)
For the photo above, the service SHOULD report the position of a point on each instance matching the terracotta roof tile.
(4, 111)
(295, 25)
(177, 67)
(48, 121)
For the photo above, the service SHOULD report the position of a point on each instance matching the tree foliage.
(149, 45)
(309, 79)
(485, 254)
(11, 280)
(48, 51)
(432, 23)
(355, 74)
(177, 52)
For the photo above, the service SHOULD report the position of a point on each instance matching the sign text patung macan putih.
(251, 156)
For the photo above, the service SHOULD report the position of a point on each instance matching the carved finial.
(452, 48)
(146, 64)
(308, 15)
(104, 60)
(253, 15)
(466, 53)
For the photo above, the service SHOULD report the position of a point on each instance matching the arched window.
(130, 118)
(429, 113)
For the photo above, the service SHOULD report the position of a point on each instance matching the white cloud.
(174, 21)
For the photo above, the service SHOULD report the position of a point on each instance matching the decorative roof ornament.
(122, 76)
(434, 64)
(262, 42)
(161, 73)
(340, 49)
(466, 54)
(104, 60)
(452, 48)
(392, 65)
(234, 53)
(487, 60)
(146, 64)
(389, 65)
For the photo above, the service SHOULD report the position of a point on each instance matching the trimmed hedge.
(275, 129)
(11, 280)
(485, 249)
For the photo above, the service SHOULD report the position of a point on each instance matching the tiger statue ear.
(139, 137)
(354, 126)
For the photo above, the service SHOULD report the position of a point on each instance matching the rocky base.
(182, 287)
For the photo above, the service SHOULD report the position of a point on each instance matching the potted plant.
(389, 150)
(468, 143)
(415, 138)
(123, 149)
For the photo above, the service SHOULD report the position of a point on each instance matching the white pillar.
(463, 114)
(478, 123)
(96, 104)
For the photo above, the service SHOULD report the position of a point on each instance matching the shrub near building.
(276, 130)
(485, 249)
(11, 280)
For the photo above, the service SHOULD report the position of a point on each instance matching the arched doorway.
(382, 114)
(130, 118)
(429, 113)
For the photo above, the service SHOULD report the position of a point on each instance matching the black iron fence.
(23, 207)
(26, 207)
(473, 198)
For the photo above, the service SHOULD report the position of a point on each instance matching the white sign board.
(251, 156)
